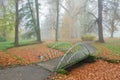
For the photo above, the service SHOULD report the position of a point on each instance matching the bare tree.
(111, 16)
(57, 23)
(100, 27)
(38, 25)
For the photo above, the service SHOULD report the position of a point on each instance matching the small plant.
(19, 58)
(62, 71)
(88, 37)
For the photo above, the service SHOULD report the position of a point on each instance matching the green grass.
(61, 46)
(62, 71)
(23, 43)
(113, 45)
(114, 49)
(6, 45)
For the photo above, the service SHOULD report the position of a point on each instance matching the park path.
(30, 72)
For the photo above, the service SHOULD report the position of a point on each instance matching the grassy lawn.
(61, 46)
(113, 45)
(64, 46)
(114, 49)
(108, 50)
(6, 45)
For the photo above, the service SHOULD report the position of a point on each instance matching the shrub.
(88, 37)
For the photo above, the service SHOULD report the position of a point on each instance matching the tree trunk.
(38, 25)
(112, 30)
(100, 27)
(112, 34)
(57, 23)
(16, 25)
